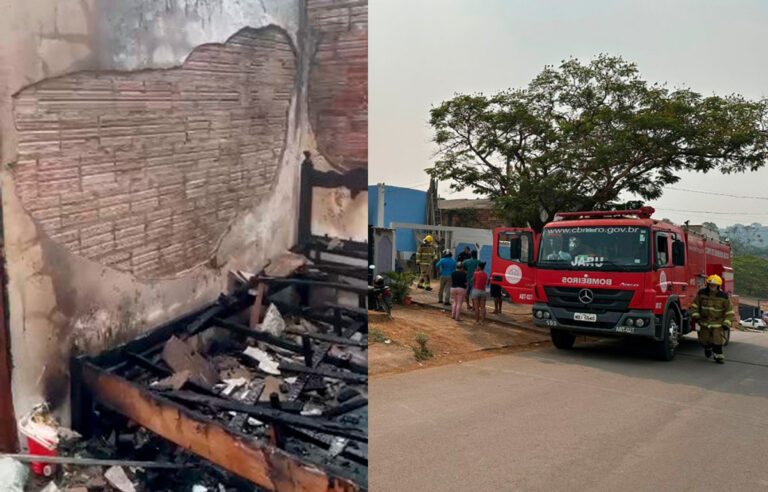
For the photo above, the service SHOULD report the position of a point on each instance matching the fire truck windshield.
(609, 248)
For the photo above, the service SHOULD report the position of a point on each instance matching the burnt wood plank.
(275, 416)
(318, 371)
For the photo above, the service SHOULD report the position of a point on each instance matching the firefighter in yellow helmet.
(425, 256)
(713, 311)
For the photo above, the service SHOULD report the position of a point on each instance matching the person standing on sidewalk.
(458, 290)
(470, 266)
(446, 266)
(464, 255)
(479, 282)
(425, 257)
(496, 296)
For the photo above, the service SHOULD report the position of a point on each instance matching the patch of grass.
(377, 336)
(422, 352)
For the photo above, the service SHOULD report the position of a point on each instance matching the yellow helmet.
(428, 239)
(715, 279)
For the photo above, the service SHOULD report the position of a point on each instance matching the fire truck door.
(512, 267)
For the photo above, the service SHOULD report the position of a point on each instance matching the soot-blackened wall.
(144, 171)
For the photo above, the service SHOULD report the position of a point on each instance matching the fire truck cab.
(611, 274)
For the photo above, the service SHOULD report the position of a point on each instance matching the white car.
(752, 323)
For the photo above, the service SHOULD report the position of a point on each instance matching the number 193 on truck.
(610, 274)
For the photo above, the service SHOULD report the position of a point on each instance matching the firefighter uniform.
(713, 311)
(425, 256)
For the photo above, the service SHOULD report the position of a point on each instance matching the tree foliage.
(751, 276)
(580, 135)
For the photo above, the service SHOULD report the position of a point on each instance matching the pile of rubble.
(268, 384)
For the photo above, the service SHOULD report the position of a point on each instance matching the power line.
(710, 212)
(716, 193)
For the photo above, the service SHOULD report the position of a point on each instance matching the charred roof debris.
(266, 386)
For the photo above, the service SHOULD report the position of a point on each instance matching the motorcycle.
(380, 296)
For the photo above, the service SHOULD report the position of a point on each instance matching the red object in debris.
(41, 449)
(408, 300)
(42, 440)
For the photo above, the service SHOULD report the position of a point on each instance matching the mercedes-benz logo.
(586, 296)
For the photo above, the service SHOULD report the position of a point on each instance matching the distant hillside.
(751, 276)
(748, 239)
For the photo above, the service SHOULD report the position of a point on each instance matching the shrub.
(400, 283)
(422, 352)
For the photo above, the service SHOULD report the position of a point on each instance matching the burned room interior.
(181, 261)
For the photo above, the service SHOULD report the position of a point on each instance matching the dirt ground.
(449, 340)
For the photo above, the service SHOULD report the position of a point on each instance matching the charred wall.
(147, 149)
(338, 109)
(144, 171)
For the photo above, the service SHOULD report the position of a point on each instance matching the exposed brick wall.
(338, 80)
(144, 171)
(478, 218)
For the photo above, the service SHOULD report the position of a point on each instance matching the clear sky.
(424, 51)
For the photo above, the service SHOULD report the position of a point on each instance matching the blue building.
(399, 205)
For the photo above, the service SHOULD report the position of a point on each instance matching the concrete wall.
(147, 148)
(400, 205)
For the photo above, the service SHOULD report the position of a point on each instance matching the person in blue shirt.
(446, 266)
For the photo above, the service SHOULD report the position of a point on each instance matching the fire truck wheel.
(665, 349)
(562, 339)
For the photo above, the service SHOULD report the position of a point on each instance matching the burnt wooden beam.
(251, 399)
(147, 364)
(340, 375)
(81, 399)
(273, 415)
(203, 322)
(320, 352)
(352, 311)
(155, 339)
(257, 335)
(306, 312)
(234, 451)
(337, 340)
(312, 283)
(347, 406)
(324, 440)
(77, 461)
(161, 371)
(346, 364)
(257, 305)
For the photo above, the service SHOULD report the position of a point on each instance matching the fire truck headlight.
(630, 322)
(539, 314)
(639, 322)
(547, 315)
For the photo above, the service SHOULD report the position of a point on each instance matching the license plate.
(585, 317)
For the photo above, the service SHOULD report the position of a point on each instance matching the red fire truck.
(610, 273)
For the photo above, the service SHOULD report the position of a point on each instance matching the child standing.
(479, 282)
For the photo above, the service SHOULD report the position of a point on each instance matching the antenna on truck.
(642, 212)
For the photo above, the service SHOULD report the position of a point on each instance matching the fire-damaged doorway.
(8, 437)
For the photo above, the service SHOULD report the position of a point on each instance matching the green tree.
(580, 135)
(751, 276)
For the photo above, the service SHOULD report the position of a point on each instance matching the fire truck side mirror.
(678, 253)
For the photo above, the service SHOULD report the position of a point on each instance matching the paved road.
(600, 417)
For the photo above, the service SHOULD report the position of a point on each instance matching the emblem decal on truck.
(586, 296)
(663, 284)
(513, 274)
